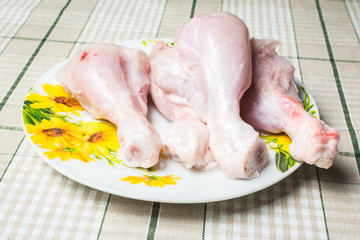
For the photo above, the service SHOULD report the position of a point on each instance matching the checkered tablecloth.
(320, 37)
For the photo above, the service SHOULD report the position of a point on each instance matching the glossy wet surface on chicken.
(112, 82)
(272, 104)
(201, 79)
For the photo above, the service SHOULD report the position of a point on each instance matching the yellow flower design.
(58, 100)
(152, 180)
(98, 138)
(67, 152)
(49, 132)
(282, 138)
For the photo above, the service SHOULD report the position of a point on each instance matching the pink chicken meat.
(272, 104)
(112, 82)
(198, 84)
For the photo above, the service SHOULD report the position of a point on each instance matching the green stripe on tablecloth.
(153, 220)
(48, 40)
(193, 7)
(13, 155)
(31, 59)
(347, 154)
(11, 128)
(103, 218)
(346, 112)
(321, 59)
(204, 222)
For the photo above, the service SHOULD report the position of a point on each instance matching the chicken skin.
(198, 84)
(112, 82)
(272, 104)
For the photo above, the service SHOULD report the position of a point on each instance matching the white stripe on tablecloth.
(148, 11)
(66, 231)
(58, 204)
(265, 231)
(291, 211)
(296, 210)
(104, 21)
(305, 213)
(61, 206)
(251, 227)
(115, 21)
(237, 220)
(277, 212)
(223, 218)
(267, 19)
(122, 20)
(354, 12)
(13, 14)
(32, 213)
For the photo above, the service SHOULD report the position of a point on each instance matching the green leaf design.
(280, 160)
(27, 118)
(36, 115)
(307, 102)
(283, 161)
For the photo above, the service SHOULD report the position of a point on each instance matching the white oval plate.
(172, 184)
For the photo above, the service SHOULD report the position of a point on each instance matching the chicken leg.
(272, 104)
(203, 77)
(112, 82)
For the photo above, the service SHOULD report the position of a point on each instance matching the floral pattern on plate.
(51, 120)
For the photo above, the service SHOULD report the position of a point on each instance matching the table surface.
(320, 37)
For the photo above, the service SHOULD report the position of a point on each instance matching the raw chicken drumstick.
(272, 104)
(198, 84)
(112, 82)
